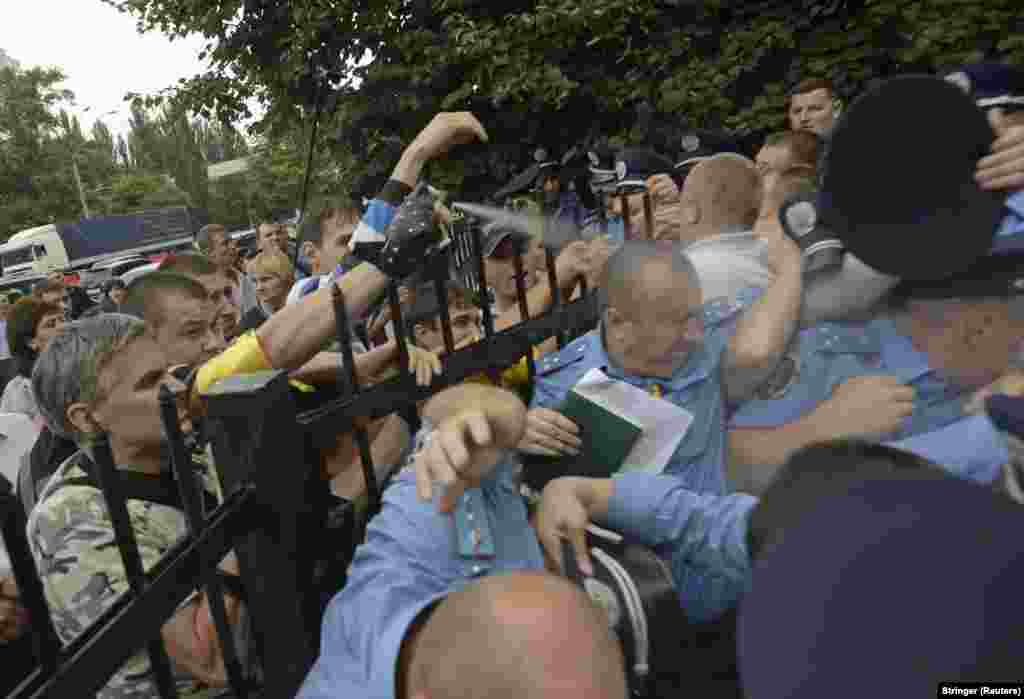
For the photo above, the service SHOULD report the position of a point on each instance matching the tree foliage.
(555, 72)
(161, 161)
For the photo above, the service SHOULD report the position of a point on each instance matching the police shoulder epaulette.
(570, 354)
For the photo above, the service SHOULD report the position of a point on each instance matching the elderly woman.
(273, 275)
(98, 375)
(30, 326)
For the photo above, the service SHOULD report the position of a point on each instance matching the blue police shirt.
(827, 355)
(412, 557)
(1010, 234)
(703, 537)
(699, 461)
(971, 448)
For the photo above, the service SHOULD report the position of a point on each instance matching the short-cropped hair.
(144, 299)
(189, 264)
(812, 84)
(67, 371)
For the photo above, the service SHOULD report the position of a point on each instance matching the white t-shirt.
(296, 291)
(728, 263)
(731, 262)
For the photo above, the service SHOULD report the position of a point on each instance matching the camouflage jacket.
(72, 541)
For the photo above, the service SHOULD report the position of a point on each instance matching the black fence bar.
(88, 662)
(648, 215)
(627, 227)
(440, 288)
(484, 294)
(45, 642)
(524, 306)
(256, 440)
(195, 515)
(556, 295)
(124, 534)
(501, 350)
(349, 376)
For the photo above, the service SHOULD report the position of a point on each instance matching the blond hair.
(273, 262)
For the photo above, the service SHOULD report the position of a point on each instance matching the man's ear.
(81, 418)
(616, 322)
(309, 250)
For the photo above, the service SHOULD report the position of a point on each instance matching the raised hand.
(460, 453)
(1003, 169)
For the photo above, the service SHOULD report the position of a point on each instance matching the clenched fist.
(866, 406)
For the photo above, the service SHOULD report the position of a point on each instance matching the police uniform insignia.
(782, 379)
(691, 142)
(620, 169)
(801, 218)
(961, 80)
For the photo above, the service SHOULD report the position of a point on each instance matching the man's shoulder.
(579, 356)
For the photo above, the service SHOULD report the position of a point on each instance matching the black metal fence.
(276, 507)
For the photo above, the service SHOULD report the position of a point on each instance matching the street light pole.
(78, 183)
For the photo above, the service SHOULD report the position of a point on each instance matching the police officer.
(698, 145)
(656, 334)
(905, 379)
(634, 170)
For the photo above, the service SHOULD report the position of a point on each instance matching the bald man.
(656, 334)
(448, 596)
(721, 195)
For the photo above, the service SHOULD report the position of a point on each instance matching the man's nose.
(215, 340)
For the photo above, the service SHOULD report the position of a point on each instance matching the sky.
(100, 51)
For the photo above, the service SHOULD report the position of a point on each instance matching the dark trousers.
(16, 662)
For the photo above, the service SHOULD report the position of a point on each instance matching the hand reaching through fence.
(424, 365)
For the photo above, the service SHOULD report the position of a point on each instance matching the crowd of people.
(835, 419)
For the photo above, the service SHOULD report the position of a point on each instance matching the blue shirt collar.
(898, 354)
(696, 369)
(1010, 234)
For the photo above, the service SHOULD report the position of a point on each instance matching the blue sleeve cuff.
(635, 504)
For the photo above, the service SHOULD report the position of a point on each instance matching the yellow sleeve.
(244, 356)
(518, 374)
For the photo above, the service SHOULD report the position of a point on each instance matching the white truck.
(69, 247)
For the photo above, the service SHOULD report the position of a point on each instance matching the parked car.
(136, 272)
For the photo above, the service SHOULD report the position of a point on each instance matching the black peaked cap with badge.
(634, 165)
(699, 145)
(993, 276)
(898, 186)
(991, 85)
(532, 178)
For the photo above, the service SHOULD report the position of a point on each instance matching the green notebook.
(607, 437)
(607, 440)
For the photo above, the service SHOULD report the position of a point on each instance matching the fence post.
(257, 441)
(45, 643)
